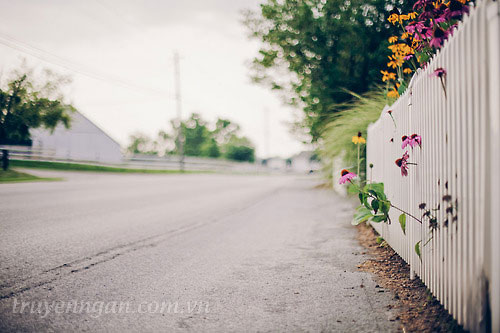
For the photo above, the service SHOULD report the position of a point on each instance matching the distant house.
(83, 141)
(304, 161)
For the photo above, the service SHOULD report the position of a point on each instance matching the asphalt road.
(199, 252)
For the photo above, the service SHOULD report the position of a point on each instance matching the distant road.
(225, 252)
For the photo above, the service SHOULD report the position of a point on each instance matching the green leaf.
(361, 215)
(365, 202)
(351, 189)
(402, 222)
(375, 205)
(417, 249)
(379, 218)
(402, 87)
(361, 197)
(385, 206)
(376, 189)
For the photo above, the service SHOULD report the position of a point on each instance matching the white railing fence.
(460, 157)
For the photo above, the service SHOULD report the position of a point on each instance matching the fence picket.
(457, 151)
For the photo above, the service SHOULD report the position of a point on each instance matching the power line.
(54, 59)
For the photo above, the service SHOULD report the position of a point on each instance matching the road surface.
(197, 252)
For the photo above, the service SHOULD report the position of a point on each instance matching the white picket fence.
(460, 149)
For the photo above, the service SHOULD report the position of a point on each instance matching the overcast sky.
(129, 42)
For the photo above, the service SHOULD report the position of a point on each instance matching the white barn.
(83, 141)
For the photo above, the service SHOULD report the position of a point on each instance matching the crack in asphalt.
(80, 265)
(53, 274)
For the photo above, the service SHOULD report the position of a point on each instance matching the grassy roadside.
(85, 167)
(12, 176)
(353, 117)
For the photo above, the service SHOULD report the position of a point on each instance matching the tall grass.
(352, 117)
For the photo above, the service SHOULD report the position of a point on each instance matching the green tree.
(210, 148)
(27, 103)
(200, 139)
(239, 149)
(222, 140)
(314, 51)
(140, 144)
(224, 130)
(195, 134)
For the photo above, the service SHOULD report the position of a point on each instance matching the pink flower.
(415, 140)
(440, 19)
(406, 141)
(403, 163)
(346, 176)
(415, 26)
(408, 57)
(456, 10)
(425, 34)
(438, 37)
(439, 72)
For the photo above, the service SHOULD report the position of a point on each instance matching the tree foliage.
(239, 149)
(201, 138)
(29, 101)
(314, 51)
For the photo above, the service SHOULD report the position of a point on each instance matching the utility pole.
(180, 138)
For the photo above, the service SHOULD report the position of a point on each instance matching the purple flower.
(429, 11)
(421, 4)
(415, 140)
(456, 10)
(346, 176)
(406, 141)
(409, 56)
(439, 72)
(415, 26)
(438, 37)
(440, 19)
(424, 33)
(402, 163)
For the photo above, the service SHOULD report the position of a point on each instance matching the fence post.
(5, 159)
(492, 223)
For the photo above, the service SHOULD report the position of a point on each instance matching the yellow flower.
(407, 71)
(393, 39)
(358, 139)
(413, 15)
(393, 93)
(388, 76)
(405, 35)
(395, 62)
(393, 18)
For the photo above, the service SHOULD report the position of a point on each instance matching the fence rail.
(148, 162)
(460, 157)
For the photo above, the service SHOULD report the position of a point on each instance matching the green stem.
(390, 203)
(359, 144)
(393, 120)
(444, 86)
